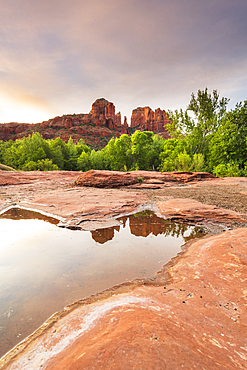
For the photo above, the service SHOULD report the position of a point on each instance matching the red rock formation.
(103, 108)
(144, 119)
(150, 179)
(104, 235)
(96, 127)
(106, 179)
(118, 118)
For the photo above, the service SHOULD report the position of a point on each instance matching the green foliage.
(57, 152)
(208, 110)
(118, 153)
(140, 144)
(211, 139)
(40, 165)
(183, 162)
(181, 124)
(229, 142)
(172, 148)
(197, 162)
(31, 148)
(227, 170)
(83, 162)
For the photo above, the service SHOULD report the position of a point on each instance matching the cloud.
(65, 54)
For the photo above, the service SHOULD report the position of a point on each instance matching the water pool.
(43, 268)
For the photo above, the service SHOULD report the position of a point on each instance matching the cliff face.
(145, 119)
(96, 127)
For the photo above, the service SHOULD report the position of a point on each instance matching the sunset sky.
(59, 56)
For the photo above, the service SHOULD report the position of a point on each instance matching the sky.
(58, 56)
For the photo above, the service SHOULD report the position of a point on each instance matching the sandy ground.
(229, 194)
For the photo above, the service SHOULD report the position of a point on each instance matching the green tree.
(118, 153)
(141, 144)
(229, 145)
(98, 160)
(183, 162)
(209, 110)
(40, 165)
(22, 151)
(154, 152)
(83, 163)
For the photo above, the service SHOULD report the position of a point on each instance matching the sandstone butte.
(192, 314)
(95, 128)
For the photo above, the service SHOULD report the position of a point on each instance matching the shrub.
(198, 162)
(227, 170)
(40, 165)
(183, 162)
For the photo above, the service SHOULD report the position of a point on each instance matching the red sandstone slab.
(195, 319)
(191, 210)
(76, 207)
(114, 179)
(27, 177)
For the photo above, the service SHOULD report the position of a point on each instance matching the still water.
(43, 268)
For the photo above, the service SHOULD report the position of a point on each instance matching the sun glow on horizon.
(15, 111)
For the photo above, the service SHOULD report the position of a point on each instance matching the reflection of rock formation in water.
(16, 213)
(149, 223)
(143, 225)
(103, 235)
(146, 223)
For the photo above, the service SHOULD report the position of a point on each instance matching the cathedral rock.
(144, 119)
(96, 127)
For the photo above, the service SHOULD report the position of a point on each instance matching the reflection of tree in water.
(146, 223)
(103, 235)
(175, 230)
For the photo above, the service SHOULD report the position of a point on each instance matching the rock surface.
(90, 208)
(192, 314)
(145, 119)
(96, 127)
(188, 210)
(18, 178)
(193, 317)
(76, 207)
(144, 179)
(106, 179)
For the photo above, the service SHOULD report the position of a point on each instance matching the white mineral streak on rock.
(41, 353)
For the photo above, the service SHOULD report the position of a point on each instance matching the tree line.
(204, 137)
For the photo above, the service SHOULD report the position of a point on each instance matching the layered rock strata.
(145, 119)
(96, 127)
(137, 179)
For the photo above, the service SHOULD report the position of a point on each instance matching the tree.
(118, 152)
(83, 162)
(56, 153)
(28, 149)
(229, 142)
(181, 124)
(141, 143)
(209, 110)
(196, 132)
(40, 165)
(154, 152)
